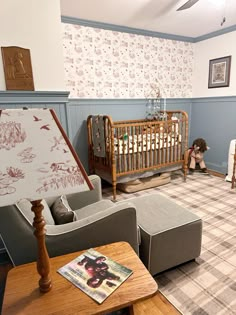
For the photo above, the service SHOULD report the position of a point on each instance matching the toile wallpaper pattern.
(108, 64)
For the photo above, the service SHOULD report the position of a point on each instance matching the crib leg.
(185, 174)
(185, 165)
(114, 190)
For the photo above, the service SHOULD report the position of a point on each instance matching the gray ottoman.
(170, 234)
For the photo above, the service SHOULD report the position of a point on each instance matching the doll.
(196, 153)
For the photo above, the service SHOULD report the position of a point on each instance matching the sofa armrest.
(85, 198)
(117, 223)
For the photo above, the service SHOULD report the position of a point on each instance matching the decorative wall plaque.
(17, 68)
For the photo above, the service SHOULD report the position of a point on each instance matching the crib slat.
(133, 143)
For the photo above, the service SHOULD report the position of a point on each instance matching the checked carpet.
(206, 286)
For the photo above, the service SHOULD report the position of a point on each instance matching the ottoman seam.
(149, 253)
(169, 229)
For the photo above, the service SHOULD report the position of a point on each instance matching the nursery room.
(135, 102)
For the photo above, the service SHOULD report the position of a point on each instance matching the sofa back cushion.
(61, 211)
(25, 206)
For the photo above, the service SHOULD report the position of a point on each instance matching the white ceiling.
(202, 18)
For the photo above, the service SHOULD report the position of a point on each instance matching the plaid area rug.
(206, 286)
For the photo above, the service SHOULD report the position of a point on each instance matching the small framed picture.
(219, 72)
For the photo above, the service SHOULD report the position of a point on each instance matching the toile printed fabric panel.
(108, 64)
(37, 160)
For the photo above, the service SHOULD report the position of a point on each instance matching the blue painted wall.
(54, 100)
(118, 109)
(79, 110)
(212, 118)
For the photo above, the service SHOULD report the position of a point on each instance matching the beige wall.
(35, 25)
(206, 50)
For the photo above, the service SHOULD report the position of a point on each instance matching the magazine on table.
(95, 274)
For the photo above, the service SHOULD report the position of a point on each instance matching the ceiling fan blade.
(187, 5)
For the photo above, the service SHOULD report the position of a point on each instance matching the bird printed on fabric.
(36, 118)
(46, 127)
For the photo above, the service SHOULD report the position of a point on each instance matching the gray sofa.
(170, 234)
(98, 222)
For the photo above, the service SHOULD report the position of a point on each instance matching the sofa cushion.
(24, 205)
(61, 211)
(94, 208)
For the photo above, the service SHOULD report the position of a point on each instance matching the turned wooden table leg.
(131, 310)
(43, 263)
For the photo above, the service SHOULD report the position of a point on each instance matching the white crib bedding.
(145, 142)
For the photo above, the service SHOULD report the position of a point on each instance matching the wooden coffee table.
(22, 295)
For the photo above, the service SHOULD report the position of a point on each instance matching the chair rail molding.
(56, 100)
(33, 97)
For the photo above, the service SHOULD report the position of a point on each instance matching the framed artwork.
(17, 68)
(219, 72)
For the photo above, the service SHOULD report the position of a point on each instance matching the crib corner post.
(185, 175)
(114, 190)
(185, 164)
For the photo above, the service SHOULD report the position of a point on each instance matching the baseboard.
(218, 174)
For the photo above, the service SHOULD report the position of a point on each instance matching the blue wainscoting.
(118, 109)
(212, 118)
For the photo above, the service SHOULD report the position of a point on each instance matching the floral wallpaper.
(108, 64)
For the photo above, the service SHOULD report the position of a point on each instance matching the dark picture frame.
(17, 68)
(219, 72)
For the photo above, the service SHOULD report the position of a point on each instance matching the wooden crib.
(122, 151)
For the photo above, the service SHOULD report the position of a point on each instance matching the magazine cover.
(95, 274)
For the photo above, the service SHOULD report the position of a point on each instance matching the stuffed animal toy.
(196, 153)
